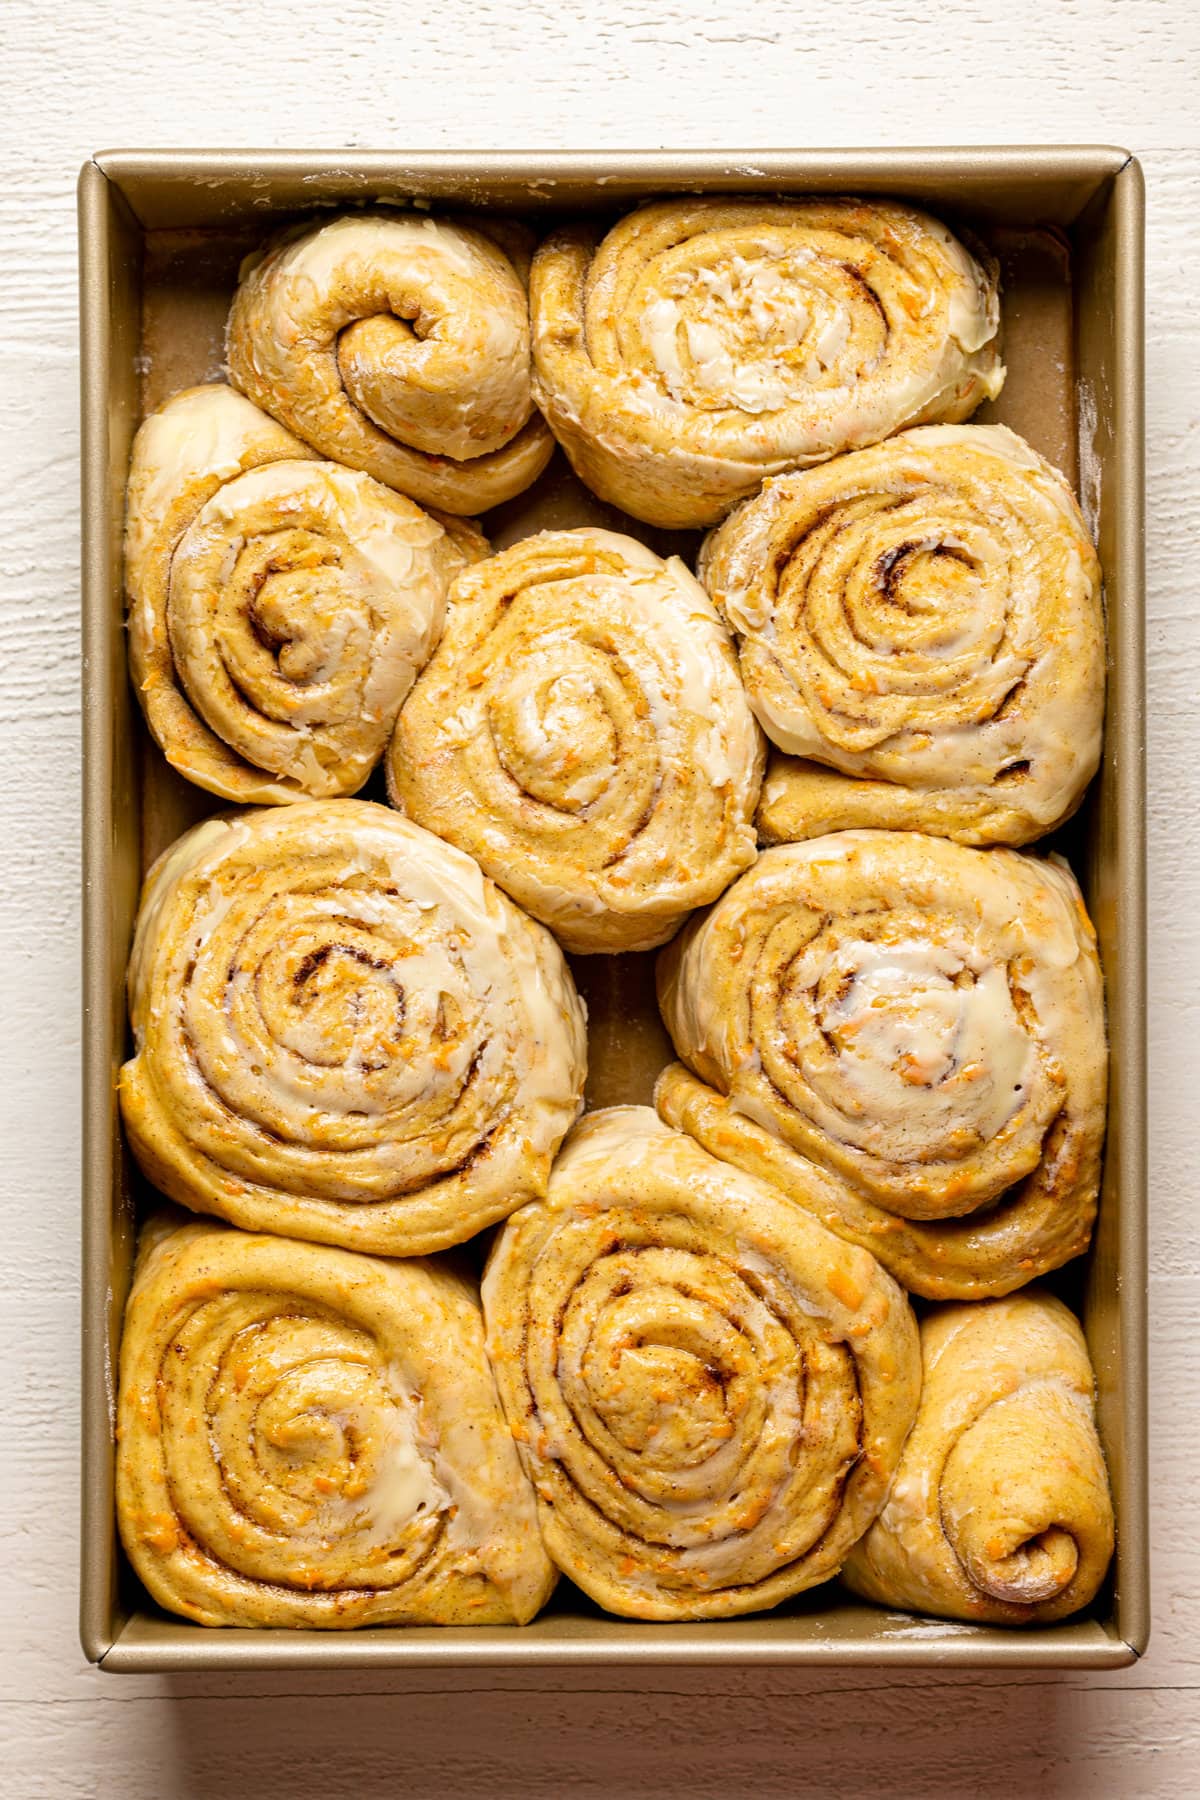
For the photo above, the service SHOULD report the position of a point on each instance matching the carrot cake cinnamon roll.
(279, 606)
(907, 1038)
(1000, 1512)
(709, 1391)
(343, 1031)
(397, 343)
(312, 1439)
(583, 733)
(704, 344)
(919, 628)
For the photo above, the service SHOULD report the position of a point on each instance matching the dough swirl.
(709, 1390)
(344, 1032)
(310, 1438)
(583, 733)
(701, 345)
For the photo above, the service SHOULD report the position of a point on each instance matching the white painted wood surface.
(79, 75)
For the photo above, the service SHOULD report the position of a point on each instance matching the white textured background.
(81, 75)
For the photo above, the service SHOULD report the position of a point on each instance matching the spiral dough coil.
(583, 733)
(907, 1037)
(397, 343)
(344, 1032)
(310, 1438)
(702, 345)
(709, 1390)
(1000, 1512)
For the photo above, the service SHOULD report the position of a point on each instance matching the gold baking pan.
(161, 234)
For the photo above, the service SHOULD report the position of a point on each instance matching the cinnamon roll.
(702, 344)
(583, 733)
(344, 1032)
(709, 1391)
(907, 1038)
(1000, 1511)
(919, 622)
(279, 606)
(310, 1438)
(397, 343)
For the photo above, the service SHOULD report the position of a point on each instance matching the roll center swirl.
(901, 1026)
(756, 326)
(659, 1366)
(290, 617)
(335, 1007)
(313, 1447)
(554, 733)
(878, 611)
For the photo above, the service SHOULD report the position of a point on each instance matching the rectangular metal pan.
(160, 237)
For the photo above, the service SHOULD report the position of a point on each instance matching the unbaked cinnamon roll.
(344, 1032)
(279, 606)
(397, 343)
(709, 1391)
(907, 1038)
(583, 733)
(921, 623)
(310, 1438)
(1000, 1511)
(703, 344)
